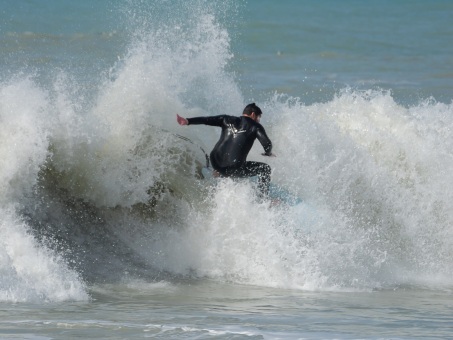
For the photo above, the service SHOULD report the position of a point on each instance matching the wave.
(97, 190)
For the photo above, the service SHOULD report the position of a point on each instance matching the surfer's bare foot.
(215, 173)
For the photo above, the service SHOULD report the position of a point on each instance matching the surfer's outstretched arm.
(181, 120)
(208, 120)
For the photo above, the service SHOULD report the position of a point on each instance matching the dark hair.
(249, 109)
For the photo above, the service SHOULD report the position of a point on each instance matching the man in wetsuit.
(238, 134)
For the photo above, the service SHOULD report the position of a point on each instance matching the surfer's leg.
(217, 170)
(262, 170)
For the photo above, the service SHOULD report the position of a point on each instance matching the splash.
(29, 271)
(382, 170)
(77, 160)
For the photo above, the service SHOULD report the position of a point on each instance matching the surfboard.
(277, 194)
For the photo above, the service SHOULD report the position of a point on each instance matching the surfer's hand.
(271, 155)
(181, 120)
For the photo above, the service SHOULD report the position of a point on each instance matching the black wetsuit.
(230, 153)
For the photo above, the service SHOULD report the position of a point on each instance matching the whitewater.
(106, 222)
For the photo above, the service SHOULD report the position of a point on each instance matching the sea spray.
(168, 70)
(30, 271)
(373, 162)
(23, 136)
(111, 154)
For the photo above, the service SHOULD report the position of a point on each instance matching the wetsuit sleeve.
(264, 140)
(213, 121)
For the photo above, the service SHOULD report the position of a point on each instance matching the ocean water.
(107, 229)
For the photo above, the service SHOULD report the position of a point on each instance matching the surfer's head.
(252, 111)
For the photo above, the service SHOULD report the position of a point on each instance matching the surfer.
(229, 155)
